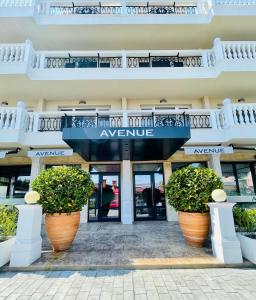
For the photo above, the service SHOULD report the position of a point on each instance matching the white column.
(84, 212)
(170, 211)
(126, 193)
(214, 163)
(228, 112)
(28, 243)
(36, 167)
(225, 245)
(41, 105)
(124, 103)
(206, 102)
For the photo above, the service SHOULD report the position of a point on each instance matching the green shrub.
(63, 189)
(245, 219)
(189, 189)
(8, 220)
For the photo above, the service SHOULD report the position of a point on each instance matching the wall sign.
(2, 154)
(208, 150)
(50, 152)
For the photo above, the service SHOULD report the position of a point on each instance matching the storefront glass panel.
(14, 181)
(239, 178)
(104, 204)
(149, 197)
(180, 165)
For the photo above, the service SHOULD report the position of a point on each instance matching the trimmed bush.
(189, 189)
(245, 220)
(63, 189)
(8, 221)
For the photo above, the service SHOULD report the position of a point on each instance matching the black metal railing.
(161, 9)
(156, 120)
(85, 9)
(164, 61)
(199, 121)
(117, 9)
(195, 121)
(83, 62)
(50, 124)
(92, 121)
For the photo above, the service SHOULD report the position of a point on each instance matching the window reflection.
(238, 178)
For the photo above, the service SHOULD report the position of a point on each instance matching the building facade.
(129, 91)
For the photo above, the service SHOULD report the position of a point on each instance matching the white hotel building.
(124, 89)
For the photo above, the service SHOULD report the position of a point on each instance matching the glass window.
(239, 178)
(14, 181)
(148, 168)
(104, 168)
(53, 166)
(180, 165)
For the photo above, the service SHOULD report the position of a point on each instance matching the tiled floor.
(114, 244)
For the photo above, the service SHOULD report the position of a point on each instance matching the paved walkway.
(116, 245)
(217, 284)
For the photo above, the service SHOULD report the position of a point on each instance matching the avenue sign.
(50, 152)
(208, 150)
(127, 133)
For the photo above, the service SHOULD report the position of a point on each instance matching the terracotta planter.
(62, 229)
(195, 227)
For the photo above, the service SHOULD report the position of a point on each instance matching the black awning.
(131, 143)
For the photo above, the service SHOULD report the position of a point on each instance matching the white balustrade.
(244, 114)
(17, 3)
(8, 117)
(12, 53)
(239, 50)
(235, 2)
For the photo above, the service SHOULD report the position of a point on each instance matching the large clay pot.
(62, 229)
(195, 227)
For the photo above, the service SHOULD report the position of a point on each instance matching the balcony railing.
(125, 11)
(146, 9)
(225, 56)
(231, 116)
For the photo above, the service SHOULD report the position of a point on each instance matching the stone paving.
(114, 244)
(136, 284)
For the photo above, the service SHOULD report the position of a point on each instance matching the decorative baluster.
(251, 115)
(2, 114)
(234, 110)
(248, 50)
(228, 49)
(7, 119)
(240, 114)
(246, 116)
(233, 52)
(13, 119)
(6, 53)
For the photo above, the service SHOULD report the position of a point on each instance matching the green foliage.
(245, 219)
(189, 189)
(8, 220)
(63, 189)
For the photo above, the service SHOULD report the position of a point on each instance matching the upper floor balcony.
(232, 124)
(119, 65)
(125, 11)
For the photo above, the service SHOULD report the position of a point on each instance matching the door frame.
(101, 174)
(152, 179)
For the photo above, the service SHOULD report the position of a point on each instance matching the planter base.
(5, 250)
(248, 247)
(195, 227)
(61, 229)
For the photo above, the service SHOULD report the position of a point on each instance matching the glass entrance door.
(104, 204)
(149, 198)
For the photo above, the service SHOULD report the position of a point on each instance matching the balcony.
(125, 11)
(120, 65)
(234, 123)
